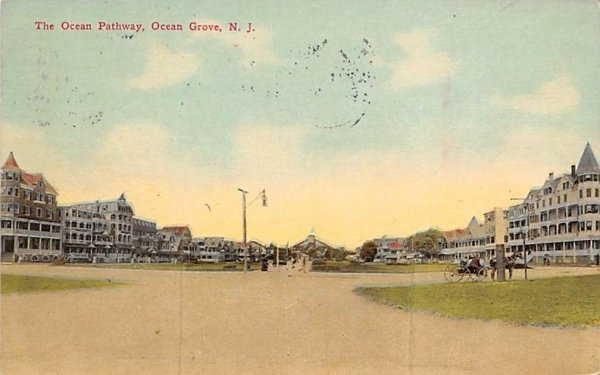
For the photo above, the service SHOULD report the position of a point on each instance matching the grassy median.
(377, 267)
(16, 284)
(563, 301)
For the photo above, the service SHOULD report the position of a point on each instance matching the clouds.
(268, 150)
(422, 65)
(555, 97)
(255, 47)
(165, 67)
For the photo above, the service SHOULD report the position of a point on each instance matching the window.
(588, 193)
(550, 202)
(558, 200)
(580, 194)
(38, 212)
(596, 192)
(27, 210)
(565, 198)
(49, 214)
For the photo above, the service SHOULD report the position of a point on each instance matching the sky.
(358, 119)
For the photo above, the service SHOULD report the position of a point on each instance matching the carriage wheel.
(481, 274)
(453, 273)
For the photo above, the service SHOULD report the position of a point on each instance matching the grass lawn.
(12, 284)
(570, 301)
(377, 267)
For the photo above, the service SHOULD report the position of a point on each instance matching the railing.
(39, 233)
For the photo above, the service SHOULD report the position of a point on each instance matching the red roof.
(31, 179)
(181, 230)
(455, 234)
(11, 163)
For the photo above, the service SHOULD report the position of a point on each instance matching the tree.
(427, 242)
(368, 251)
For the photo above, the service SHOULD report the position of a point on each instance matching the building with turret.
(30, 224)
(559, 222)
(99, 231)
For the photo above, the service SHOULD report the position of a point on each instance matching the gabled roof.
(473, 221)
(588, 162)
(455, 234)
(180, 230)
(11, 163)
(33, 179)
(29, 179)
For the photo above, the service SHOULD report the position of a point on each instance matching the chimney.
(551, 176)
(573, 170)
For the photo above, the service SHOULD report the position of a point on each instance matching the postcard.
(233, 185)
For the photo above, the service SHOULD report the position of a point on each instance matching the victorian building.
(99, 231)
(559, 222)
(146, 238)
(30, 227)
(175, 239)
(392, 250)
(477, 238)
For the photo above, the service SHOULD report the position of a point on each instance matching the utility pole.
(244, 192)
(524, 230)
(263, 196)
(500, 243)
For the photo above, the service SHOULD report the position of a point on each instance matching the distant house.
(390, 249)
(175, 238)
(313, 246)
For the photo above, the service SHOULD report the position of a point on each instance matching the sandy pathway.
(168, 322)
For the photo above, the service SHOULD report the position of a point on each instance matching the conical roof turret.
(11, 163)
(588, 162)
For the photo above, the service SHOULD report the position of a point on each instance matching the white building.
(560, 221)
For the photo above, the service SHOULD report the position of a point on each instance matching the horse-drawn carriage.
(456, 272)
(474, 271)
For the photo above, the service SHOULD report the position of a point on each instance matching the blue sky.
(450, 109)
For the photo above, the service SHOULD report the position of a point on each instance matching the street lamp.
(244, 192)
(263, 196)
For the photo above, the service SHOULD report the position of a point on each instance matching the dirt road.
(169, 322)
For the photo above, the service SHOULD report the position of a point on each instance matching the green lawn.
(377, 267)
(570, 301)
(12, 284)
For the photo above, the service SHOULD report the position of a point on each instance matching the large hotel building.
(560, 221)
(30, 227)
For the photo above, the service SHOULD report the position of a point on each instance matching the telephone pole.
(244, 192)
